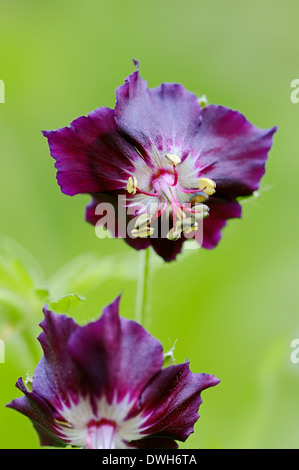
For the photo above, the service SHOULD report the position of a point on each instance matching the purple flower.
(167, 155)
(103, 386)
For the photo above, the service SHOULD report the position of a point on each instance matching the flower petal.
(167, 249)
(232, 151)
(56, 377)
(41, 414)
(168, 116)
(127, 354)
(173, 399)
(90, 155)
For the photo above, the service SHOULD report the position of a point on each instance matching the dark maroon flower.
(103, 386)
(166, 154)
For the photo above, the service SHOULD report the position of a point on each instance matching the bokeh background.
(232, 311)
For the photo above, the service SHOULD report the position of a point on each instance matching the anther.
(132, 185)
(207, 186)
(173, 234)
(142, 221)
(192, 228)
(201, 211)
(142, 232)
(199, 197)
(173, 159)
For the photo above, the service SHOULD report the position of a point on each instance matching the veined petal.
(167, 249)
(167, 117)
(36, 408)
(56, 378)
(232, 151)
(174, 414)
(91, 156)
(128, 354)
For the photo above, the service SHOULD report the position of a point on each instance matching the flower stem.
(142, 310)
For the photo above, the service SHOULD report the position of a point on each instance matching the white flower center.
(105, 427)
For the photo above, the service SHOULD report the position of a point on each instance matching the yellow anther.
(192, 228)
(143, 232)
(199, 197)
(132, 185)
(201, 211)
(173, 159)
(207, 186)
(174, 234)
(189, 225)
(142, 221)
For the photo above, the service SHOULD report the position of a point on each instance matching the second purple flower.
(103, 386)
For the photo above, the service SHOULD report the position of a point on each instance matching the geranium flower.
(102, 386)
(168, 155)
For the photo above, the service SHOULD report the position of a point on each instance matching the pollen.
(207, 186)
(173, 159)
(132, 185)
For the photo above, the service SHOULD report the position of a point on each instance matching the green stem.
(142, 311)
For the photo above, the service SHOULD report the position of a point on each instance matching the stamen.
(142, 221)
(142, 232)
(192, 228)
(189, 191)
(173, 159)
(148, 194)
(173, 234)
(160, 211)
(199, 211)
(176, 176)
(207, 186)
(132, 188)
(199, 197)
(132, 185)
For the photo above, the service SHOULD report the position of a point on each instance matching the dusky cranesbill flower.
(103, 386)
(168, 155)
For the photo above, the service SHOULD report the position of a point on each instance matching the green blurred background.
(233, 310)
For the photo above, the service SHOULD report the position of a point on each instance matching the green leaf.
(65, 303)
